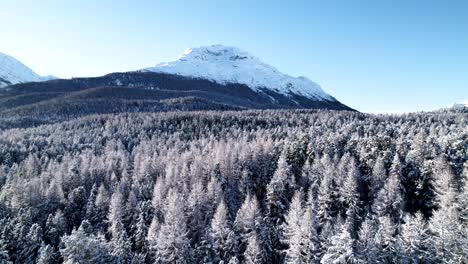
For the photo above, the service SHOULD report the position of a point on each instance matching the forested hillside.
(36, 103)
(263, 186)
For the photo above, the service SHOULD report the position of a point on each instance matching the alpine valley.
(206, 78)
(218, 158)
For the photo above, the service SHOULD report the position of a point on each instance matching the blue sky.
(375, 56)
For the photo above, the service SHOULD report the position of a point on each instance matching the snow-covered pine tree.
(219, 233)
(327, 196)
(173, 245)
(75, 209)
(414, 240)
(293, 232)
(82, 248)
(350, 197)
(367, 250)
(47, 255)
(310, 226)
(278, 193)
(33, 242)
(4, 255)
(386, 240)
(253, 253)
(141, 228)
(342, 245)
(449, 242)
(101, 210)
(378, 177)
(389, 200)
(247, 218)
(120, 243)
(152, 238)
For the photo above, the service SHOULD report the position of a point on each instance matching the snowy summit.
(13, 71)
(224, 64)
(462, 104)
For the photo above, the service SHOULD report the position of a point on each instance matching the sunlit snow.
(232, 65)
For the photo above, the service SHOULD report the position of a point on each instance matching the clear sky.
(375, 56)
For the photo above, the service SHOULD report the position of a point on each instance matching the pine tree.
(101, 210)
(342, 245)
(121, 245)
(278, 192)
(378, 177)
(82, 248)
(152, 238)
(76, 207)
(449, 242)
(90, 206)
(386, 240)
(367, 250)
(33, 242)
(390, 198)
(219, 232)
(159, 192)
(54, 196)
(327, 195)
(310, 227)
(247, 220)
(293, 235)
(141, 230)
(4, 256)
(414, 240)
(349, 195)
(253, 254)
(173, 245)
(199, 219)
(47, 255)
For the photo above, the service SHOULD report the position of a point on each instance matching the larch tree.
(342, 245)
(389, 200)
(173, 245)
(82, 248)
(219, 233)
(293, 235)
(253, 252)
(367, 250)
(414, 240)
(152, 238)
(47, 255)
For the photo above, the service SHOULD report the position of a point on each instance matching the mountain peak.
(216, 52)
(225, 64)
(13, 71)
(462, 104)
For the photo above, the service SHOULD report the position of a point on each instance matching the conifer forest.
(254, 186)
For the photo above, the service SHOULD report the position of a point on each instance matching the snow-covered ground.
(232, 65)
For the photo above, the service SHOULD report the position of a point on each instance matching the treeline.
(290, 186)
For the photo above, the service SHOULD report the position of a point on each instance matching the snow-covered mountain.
(224, 64)
(13, 71)
(462, 104)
